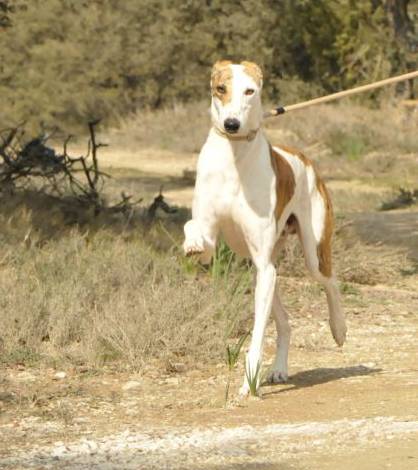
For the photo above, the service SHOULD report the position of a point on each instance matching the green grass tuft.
(253, 378)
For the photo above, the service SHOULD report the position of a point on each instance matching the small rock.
(179, 367)
(172, 381)
(175, 367)
(58, 452)
(60, 375)
(370, 365)
(93, 447)
(130, 385)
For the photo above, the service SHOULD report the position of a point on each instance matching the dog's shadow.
(321, 375)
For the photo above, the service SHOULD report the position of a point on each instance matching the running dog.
(254, 194)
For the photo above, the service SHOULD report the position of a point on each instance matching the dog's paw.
(192, 248)
(339, 330)
(194, 243)
(277, 377)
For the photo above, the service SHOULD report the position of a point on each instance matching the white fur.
(235, 195)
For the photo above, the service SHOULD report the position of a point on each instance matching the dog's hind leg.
(315, 231)
(278, 371)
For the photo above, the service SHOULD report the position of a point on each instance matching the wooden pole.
(341, 94)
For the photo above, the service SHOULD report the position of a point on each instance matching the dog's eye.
(249, 91)
(221, 89)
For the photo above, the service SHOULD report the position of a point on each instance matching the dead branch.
(160, 203)
(39, 166)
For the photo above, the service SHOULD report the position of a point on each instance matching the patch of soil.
(398, 229)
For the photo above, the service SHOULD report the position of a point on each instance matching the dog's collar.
(249, 137)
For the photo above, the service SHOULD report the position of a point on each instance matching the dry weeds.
(79, 289)
(105, 294)
(346, 130)
(377, 148)
(97, 295)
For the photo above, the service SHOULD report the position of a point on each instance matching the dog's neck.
(239, 150)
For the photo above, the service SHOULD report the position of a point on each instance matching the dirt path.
(273, 446)
(355, 405)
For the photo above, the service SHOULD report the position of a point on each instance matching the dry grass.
(347, 140)
(346, 248)
(91, 290)
(181, 128)
(346, 127)
(109, 294)
(126, 294)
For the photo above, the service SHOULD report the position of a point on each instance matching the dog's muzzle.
(231, 125)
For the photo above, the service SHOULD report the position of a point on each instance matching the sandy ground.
(355, 405)
(349, 408)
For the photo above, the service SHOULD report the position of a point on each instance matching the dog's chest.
(227, 193)
(238, 194)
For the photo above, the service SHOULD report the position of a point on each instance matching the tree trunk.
(402, 23)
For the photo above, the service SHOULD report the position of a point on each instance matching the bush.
(72, 62)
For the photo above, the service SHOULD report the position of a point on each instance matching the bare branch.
(35, 165)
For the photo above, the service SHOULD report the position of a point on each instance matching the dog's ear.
(219, 65)
(254, 71)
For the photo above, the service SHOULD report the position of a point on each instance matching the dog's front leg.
(200, 239)
(201, 231)
(264, 292)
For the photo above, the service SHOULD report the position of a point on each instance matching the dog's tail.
(336, 316)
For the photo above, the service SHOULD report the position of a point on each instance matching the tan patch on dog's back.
(254, 71)
(222, 76)
(297, 153)
(324, 247)
(324, 251)
(285, 181)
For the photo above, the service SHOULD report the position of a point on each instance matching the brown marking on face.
(285, 181)
(220, 64)
(254, 71)
(324, 250)
(222, 77)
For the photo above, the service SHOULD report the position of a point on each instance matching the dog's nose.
(231, 125)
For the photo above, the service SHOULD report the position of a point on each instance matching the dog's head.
(236, 96)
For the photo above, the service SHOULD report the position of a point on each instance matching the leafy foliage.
(77, 61)
(4, 10)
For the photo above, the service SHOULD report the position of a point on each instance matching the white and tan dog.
(252, 193)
